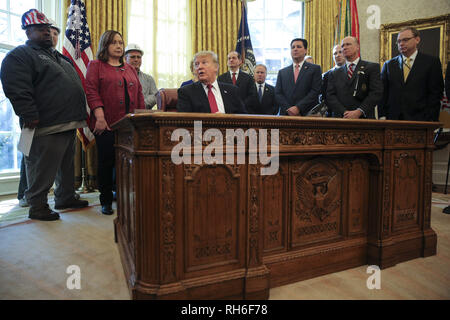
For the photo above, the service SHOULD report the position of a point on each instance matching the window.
(272, 25)
(160, 28)
(11, 35)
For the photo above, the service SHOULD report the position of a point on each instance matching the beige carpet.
(34, 257)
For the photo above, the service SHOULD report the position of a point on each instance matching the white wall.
(393, 12)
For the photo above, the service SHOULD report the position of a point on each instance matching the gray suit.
(363, 91)
(304, 93)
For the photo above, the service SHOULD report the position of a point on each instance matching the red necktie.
(234, 78)
(212, 100)
(296, 72)
(350, 70)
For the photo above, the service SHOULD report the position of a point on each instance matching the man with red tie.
(237, 77)
(354, 89)
(298, 85)
(207, 95)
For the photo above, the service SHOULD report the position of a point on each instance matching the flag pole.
(242, 31)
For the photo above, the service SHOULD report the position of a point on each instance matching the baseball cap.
(33, 17)
(133, 47)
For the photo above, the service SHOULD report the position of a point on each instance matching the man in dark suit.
(237, 77)
(339, 61)
(412, 81)
(262, 100)
(207, 94)
(354, 89)
(298, 85)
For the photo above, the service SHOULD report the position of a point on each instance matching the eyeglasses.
(404, 40)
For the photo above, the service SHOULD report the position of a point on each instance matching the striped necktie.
(350, 70)
(406, 68)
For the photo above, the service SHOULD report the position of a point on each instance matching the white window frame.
(270, 73)
(52, 9)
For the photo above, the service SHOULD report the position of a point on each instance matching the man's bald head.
(350, 48)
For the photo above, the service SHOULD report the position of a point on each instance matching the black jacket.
(244, 82)
(193, 98)
(364, 90)
(267, 104)
(304, 93)
(42, 85)
(417, 99)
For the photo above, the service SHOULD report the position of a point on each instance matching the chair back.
(166, 99)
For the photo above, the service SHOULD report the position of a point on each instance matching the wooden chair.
(166, 99)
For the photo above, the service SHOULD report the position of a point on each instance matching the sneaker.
(23, 203)
(43, 214)
(73, 204)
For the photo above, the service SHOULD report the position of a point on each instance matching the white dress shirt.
(412, 58)
(216, 91)
(300, 65)
(263, 85)
(354, 62)
(236, 75)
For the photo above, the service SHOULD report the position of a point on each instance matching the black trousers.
(105, 166)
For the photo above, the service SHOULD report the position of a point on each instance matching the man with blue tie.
(413, 83)
(298, 85)
(262, 100)
(354, 89)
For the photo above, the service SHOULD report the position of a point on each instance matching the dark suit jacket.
(447, 81)
(192, 98)
(304, 93)
(364, 90)
(267, 104)
(323, 90)
(419, 97)
(244, 82)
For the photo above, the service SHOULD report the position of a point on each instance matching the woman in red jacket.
(112, 90)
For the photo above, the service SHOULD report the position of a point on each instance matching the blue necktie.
(260, 92)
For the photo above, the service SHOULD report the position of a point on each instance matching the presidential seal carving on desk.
(317, 193)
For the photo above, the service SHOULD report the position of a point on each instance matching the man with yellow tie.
(412, 81)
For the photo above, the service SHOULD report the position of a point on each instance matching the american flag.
(77, 47)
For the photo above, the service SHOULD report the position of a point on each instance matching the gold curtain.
(320, 25)
(214, 26)
(101, 15)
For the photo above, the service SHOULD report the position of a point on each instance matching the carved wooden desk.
(347, 193)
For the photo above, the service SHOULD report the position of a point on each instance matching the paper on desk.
(26, 138)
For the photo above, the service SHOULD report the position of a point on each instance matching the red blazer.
(104, 87)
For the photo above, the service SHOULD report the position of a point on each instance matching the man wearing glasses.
(133, 56)
(413, 83)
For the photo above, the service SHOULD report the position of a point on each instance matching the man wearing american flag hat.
(48, 97)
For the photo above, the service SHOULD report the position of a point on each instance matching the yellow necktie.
(406, 68)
